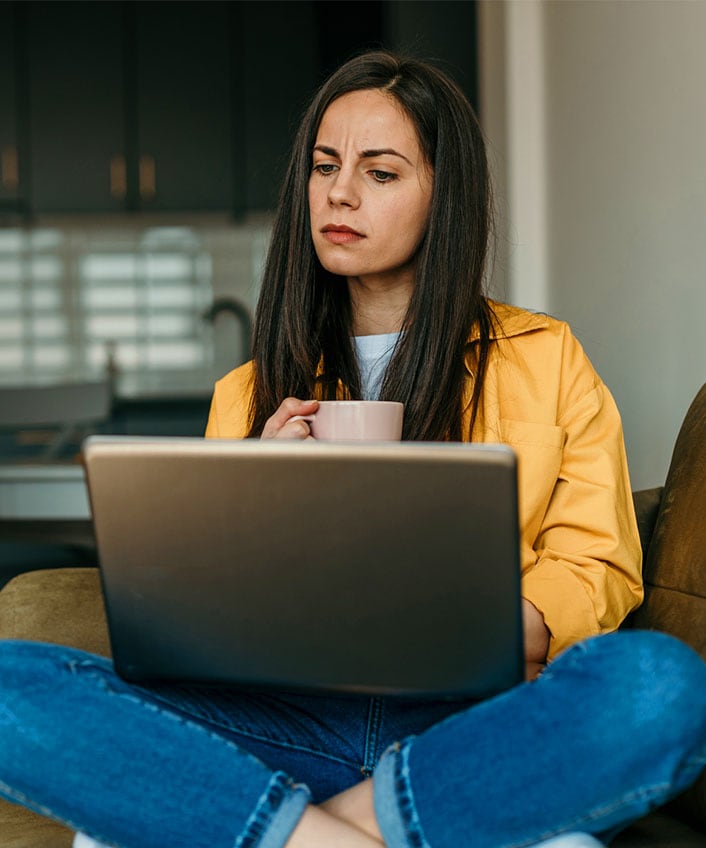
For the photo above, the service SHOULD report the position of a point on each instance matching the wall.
(610, 103)
(443, 29)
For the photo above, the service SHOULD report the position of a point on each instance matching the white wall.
(610, 100)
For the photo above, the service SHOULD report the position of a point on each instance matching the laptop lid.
(380, 568)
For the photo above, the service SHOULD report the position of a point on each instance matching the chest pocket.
(539, 449)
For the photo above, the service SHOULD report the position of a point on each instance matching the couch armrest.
(675, 561)
(63, 606)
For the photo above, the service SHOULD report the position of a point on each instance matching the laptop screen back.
(388, 568)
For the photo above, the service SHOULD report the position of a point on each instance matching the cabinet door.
(76, 106)
(183, 105)
(10, 189)
(277, 67)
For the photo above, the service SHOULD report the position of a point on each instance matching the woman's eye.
(324, 168)
(383, 176)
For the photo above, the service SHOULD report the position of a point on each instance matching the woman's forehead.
(368, 119)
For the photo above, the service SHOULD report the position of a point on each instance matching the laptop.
(372, 568)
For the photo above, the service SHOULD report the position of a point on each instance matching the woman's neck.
(378, 308)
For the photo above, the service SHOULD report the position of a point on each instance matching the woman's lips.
(340, 234)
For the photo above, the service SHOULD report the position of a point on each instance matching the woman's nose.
(343, 190)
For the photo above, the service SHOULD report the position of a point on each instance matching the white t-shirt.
(374, 354)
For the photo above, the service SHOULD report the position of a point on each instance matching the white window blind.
(73, 302)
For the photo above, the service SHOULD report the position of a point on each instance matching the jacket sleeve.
(228, 417)
(587, 573)
(212, 429)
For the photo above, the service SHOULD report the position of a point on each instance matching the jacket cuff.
(564, 603)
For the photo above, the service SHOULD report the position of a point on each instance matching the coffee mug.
(356, 420)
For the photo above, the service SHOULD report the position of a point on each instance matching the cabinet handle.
(148, 177)
(9, 169)
(118, 177)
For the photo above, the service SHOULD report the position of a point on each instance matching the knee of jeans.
(37, 663)
(665, 679)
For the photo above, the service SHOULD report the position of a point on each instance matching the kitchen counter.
(53, 492)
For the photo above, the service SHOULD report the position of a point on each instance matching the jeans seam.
(372, 736)
(656, 789)
(210, 722)
(212, 718)
(291, 746)
(152, 700)
(406, 806)
(167, 710)
(266, 805)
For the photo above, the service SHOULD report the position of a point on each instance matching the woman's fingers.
(280, 425)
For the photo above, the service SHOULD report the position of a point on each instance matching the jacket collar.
(511, 321)
(508, 321)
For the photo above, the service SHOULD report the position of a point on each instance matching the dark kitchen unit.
(187, 107)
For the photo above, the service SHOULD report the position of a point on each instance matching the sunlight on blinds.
(70, 300)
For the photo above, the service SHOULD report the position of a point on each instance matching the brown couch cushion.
(675, 564)
(63, 606)
(679, 613)
(647, 503)
(659, 830)
(19, 828)
(675, 561)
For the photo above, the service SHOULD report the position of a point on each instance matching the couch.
(65, 606)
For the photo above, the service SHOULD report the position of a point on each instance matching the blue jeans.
(614, 727)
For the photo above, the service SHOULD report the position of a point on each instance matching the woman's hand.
(536, 636)
(281, 426)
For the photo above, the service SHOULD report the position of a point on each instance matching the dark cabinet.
(129, 106)
(124, 106)
(155, 106)
(76, 106)
(180, 76)
(280, 70)
(10, 182)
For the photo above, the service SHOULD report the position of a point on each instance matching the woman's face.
(369, 190)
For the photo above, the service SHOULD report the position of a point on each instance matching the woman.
(373, 289)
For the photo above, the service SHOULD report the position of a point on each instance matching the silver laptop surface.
(386, 568)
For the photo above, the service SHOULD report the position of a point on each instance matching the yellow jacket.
(580, 550)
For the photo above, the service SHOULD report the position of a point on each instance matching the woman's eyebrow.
(371, 154)
(329, 151)
(365, 154)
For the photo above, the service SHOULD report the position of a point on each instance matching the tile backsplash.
(132, 299)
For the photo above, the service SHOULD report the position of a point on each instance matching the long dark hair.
(302, 345)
